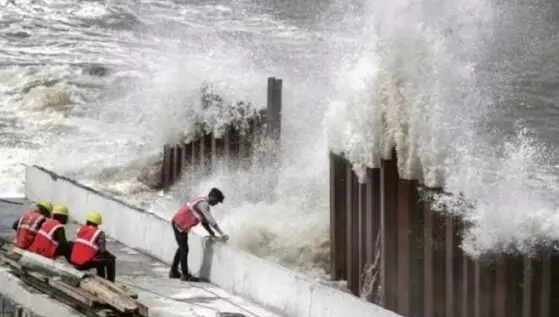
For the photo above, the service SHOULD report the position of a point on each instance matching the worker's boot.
(189, 278)
(174, 274)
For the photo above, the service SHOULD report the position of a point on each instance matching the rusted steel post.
(227, 145)
(454, 267)
(514, 286)
(352, 225)
(527, 288)
(171, 165)
(194, 152)
(214, 151)
(203, 151)
(187, 155)
(338, 211)
(435, 263)
(417, 265)
(546, 285)
(487, 283)
(234, 148)
(274, 106)
(273, 118)
(362, 235)
(449, 276)
(179, 162)
(404, 214)
(373, 212)
(468, 286)
(554, 284)
(428, 298)
(165, 172)
(501, 287)
(242, 150)
(389, 203)
(207, 155)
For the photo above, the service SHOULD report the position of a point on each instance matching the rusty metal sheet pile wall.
(235, 146)
(422, 270)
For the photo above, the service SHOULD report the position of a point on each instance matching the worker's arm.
(203, 209)
(206, 226)
(102, 242)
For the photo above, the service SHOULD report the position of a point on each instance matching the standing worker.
(194, 212)
(51, 240)
(30, 222)
(90, 248)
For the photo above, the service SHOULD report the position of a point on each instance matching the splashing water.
(435, 80)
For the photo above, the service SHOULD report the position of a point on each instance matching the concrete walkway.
(149, 278)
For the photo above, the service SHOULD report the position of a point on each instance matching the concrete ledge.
(266, 283)
(32, 303)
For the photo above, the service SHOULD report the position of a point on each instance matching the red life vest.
(86, 245)
(185, 218)
(44, 243)
(27, 228)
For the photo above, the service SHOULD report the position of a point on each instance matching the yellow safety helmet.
(60, 210)
(94, 217)
(47, 204)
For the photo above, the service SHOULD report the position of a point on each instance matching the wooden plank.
(115, 287)
(58, 295)
(74, 292)
(121, 303)
(12, 263)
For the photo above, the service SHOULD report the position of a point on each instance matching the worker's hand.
(225, 237)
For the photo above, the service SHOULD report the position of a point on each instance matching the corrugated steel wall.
(397, 252)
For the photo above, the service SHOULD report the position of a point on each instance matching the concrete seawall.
(271, 285)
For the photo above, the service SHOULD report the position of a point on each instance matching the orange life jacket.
(27, 228)
(44, 243)
(186, 219)
(86, 245)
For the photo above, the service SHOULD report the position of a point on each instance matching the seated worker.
(194, 212)
(30, 222)
(90, 248)
(51, 240)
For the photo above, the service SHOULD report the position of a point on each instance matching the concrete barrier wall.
(18, 301)
(266, 283)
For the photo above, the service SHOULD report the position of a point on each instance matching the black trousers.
(181, 255)
(104, 262)
(65, 250)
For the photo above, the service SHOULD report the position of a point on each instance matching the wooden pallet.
(89, 294)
